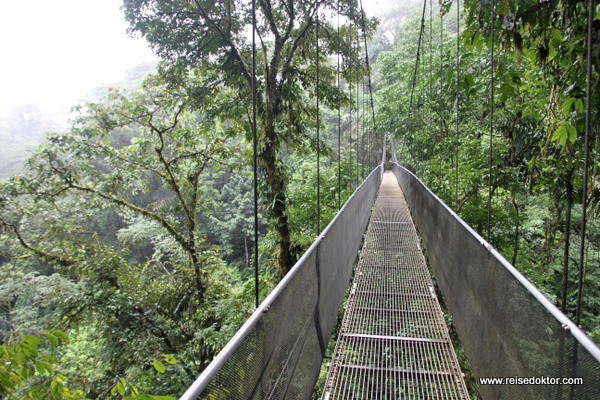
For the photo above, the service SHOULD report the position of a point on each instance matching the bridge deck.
(393, 343)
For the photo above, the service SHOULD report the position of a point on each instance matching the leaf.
(49, 358)
(57, 387)
(563, 140)
(159, 366)
(30, 346)
(62, 336)
(169, 359)
(40, 368)
(557, 34)
(572, 133)
(43, 366)
(551, 52)
(566, 106)
(52, 339)
(119, 387)
(478, 41)
(560, 134)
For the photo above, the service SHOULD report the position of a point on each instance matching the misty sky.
(53, 52)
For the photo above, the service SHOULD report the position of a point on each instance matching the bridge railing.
(277, 353)
(508, 329)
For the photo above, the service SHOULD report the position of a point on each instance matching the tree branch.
(163, 222)
(268, 11)
(126, 160)
(227, 39)
(40, 253)
(286, 66)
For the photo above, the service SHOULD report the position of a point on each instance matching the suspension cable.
(359, 136)
(414, 79)
(421, 89)
(339, 110)
(368, 69)
(255, 150)
(357, 108)
(588, 126)
(430, 97)
(350, 66)
(440, 102)
(457, 140)
(362, 130)
(318, 123)
(490, 158)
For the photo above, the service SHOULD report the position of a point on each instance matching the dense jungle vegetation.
(127, 242)
(523, 149)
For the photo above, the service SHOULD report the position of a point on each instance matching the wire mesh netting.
(393, 343)
(507, 327)
(278, 352)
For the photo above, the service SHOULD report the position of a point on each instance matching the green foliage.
(286, 72)
(232, 221)
(538, 124)
(107, 219)
(28, 371)
(126, 391)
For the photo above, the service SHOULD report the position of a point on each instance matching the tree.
(552, 36)
(138, 160)
(233, 222)
(538, 122)
(213, 36)
(27, 371)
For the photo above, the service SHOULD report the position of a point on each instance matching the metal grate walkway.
(393, 343)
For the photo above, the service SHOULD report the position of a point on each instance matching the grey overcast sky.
(52, 53)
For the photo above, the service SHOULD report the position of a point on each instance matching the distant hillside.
(134, 77)
(25, 126)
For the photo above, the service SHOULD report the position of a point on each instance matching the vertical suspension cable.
(415, 72)
(414, 78)
(430, 52)
(318, 128)
(365, 131)
(364, 30)
(255, 156)
(350, 111)
(440, 102)
(357, 110)
(490, 157)
(429, 100)
(588, 127)
(457, 140)
(420, 103)
(350, 97)
(361, 128)
(339, 188)
(368, 155)
(365, 141)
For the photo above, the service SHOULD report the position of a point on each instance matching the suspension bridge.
(393, 341)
